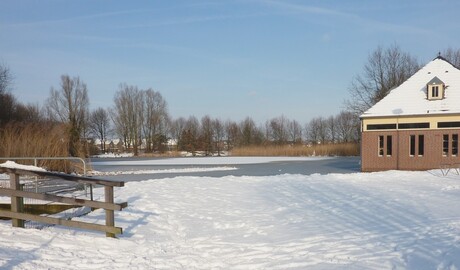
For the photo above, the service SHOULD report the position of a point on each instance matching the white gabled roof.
(410, 98)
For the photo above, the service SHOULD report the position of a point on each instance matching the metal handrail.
(48, 158)
(54, 158)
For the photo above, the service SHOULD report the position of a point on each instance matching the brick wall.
(400, 158)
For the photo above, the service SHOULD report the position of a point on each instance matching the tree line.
(140, 117)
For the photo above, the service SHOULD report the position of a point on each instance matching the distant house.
(417, 125)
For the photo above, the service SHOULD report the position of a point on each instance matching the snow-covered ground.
(386, 220)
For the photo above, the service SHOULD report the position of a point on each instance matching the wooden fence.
(17, 195)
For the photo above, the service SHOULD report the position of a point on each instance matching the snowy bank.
(386, 220)
(164, 171)
(207, 161)
(114, 155)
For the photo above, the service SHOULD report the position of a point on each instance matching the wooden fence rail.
(17, 195)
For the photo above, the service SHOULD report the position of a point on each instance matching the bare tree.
(29, 113)
(99, 125)
(295, 132)
(128, 115)
(347, 126)
(70, 105)
(232, 130)
(176, 128)
(207, 135)
(7, 108)
(279, 130)
(316, 130)
(189, 137)
(219, 133)
(384, 70)
(331, 129)
(119, 126)
(6, 78)
(7, 100)
(453, 56)
(249, 133)
(155, 117)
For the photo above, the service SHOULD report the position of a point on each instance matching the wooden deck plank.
(61, 199)
(63, 222)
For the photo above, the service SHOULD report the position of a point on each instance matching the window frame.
(380, 149)
(421, 145)
(454, 145)
(389, 146)
(445, 145)
(435, 91)
(412, 145)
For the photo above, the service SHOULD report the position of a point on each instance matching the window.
(448, 124)
(421, 145)
(435, 91)
(381, 126)
(445, 144)
(389, 146)
(413, 125)
(412, 145)
(380, 146)
(454, 144)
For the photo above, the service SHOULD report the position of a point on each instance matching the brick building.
(417, 125)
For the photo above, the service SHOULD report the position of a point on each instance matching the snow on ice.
(385, 220)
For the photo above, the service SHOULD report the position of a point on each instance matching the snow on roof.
(410, 98)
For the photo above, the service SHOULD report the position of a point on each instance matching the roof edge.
(409, 115)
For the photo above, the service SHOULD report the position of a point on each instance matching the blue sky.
(228, 59)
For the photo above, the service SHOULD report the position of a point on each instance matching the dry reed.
(36, 140)
(342, 149)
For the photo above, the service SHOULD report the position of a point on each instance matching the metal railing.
(447, 167)
(35, 159)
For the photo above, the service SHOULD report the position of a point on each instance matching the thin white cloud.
(194, 19)
(304, 8)
(76, 18)
(362, 21)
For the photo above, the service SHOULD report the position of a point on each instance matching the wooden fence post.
(17, 203)
(109, 214)
(17, 195)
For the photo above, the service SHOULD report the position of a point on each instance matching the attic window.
(435, 89)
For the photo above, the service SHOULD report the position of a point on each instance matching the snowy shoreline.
(206, 161)
(385, 220)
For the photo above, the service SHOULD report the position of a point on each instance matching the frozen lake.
(154, 168)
